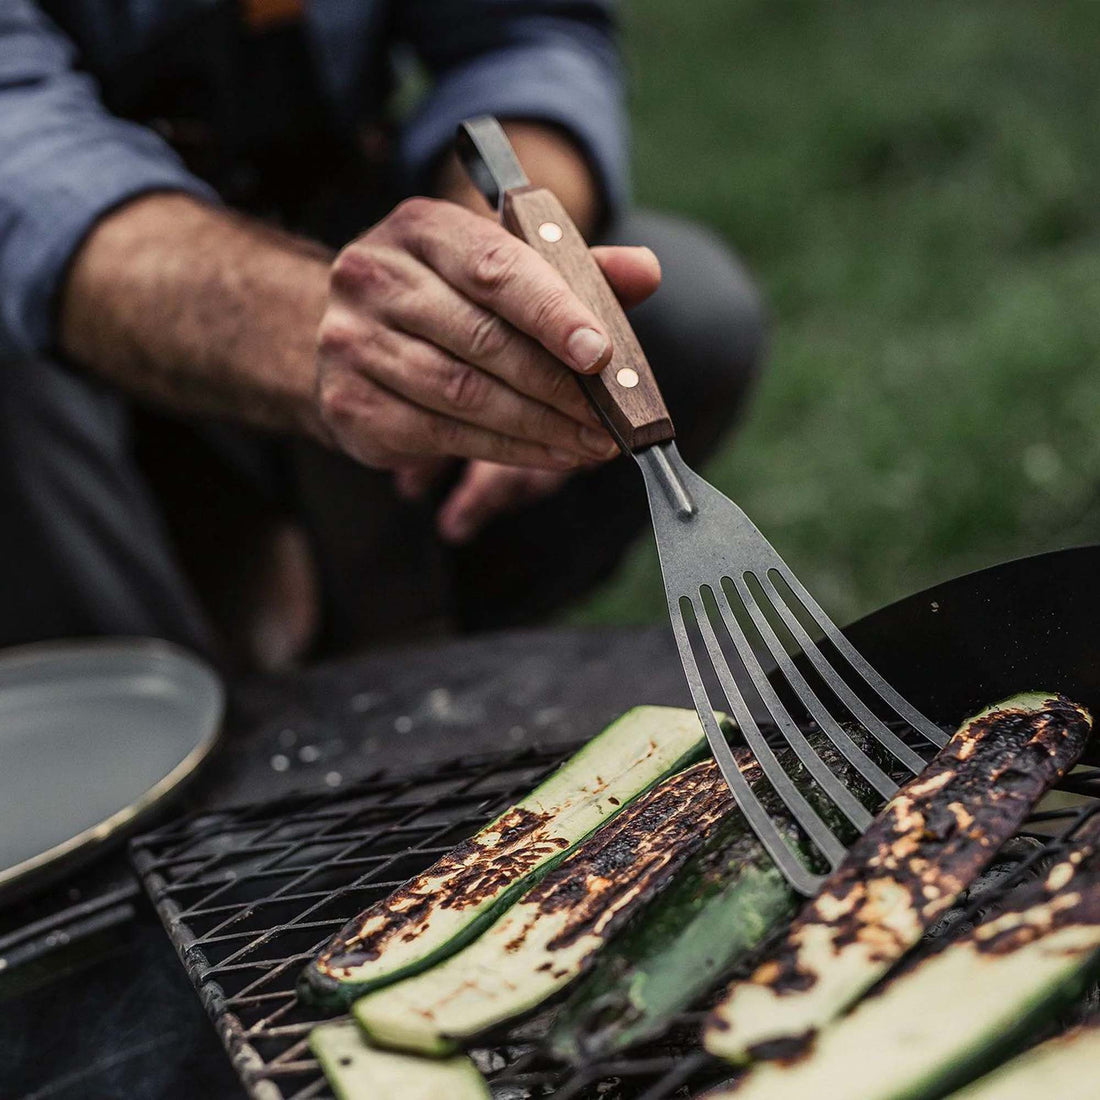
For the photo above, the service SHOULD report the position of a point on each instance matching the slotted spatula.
(734, 603)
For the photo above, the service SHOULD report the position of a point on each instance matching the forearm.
(199, 310)
(550, 158)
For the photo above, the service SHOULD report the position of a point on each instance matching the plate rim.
(96, 835)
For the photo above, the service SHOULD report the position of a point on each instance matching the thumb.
(634, 273)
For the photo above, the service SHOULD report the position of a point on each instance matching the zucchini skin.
(727, 900)
(439, 911)
(356, 1071)
(934, 837)
(553, 933)
(1061, 1067)
(703, 926)
(959, 1012)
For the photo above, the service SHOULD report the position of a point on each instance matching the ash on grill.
(248, 896)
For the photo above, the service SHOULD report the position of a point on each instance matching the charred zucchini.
(436, 913)
(934, 837)
(726, 901)
(957, 1012)
(548, 938)
(715, 912)
(1062, 1067)
(357, 1071)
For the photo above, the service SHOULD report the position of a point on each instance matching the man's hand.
(442, 336)
(552, 160)
(488, 488)
(445, 336)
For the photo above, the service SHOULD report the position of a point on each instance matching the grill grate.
(249, 895)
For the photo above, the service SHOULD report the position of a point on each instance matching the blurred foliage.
(916, 188)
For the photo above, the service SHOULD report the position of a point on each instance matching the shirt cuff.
(58, 208)
(548, 83)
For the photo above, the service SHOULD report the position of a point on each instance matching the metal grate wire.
(248, 895)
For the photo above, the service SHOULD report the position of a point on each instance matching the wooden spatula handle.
(625, 391)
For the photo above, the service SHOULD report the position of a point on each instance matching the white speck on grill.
(288, 738)
(403, 723)
(364, 701)
(279, 762)
(334, 779)
(309, 754)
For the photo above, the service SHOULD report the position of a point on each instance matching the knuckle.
(412, 212)
(357, 268)
(494, 266)
(562, 388)
(337, 337)
(488, 338)
(336, 400)
(464, 387)
(550, 308)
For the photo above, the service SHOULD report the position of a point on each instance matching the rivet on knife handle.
(625, 392)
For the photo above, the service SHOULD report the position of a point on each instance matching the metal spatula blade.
(727, 586)
(743, 622)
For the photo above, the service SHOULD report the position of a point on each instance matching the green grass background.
(915, 186)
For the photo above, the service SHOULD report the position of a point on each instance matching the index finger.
(499, 271)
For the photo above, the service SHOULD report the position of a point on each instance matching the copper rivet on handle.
(627, 377)
(550, 231)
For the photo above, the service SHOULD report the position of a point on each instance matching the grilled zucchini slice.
(934, 837)
(440, 910)
(717, 911)
(722, 904)
(729, 897)
(1063, 1067)
(957, 1012)
(549, 937)
(357, 1071)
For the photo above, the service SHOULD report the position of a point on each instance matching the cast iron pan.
(94, 735)
(1027, 624)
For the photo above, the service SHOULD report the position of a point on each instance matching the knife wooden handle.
(625, 393)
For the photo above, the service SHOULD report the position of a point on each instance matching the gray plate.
(93, 736)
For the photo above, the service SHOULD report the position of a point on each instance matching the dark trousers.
(117, 520)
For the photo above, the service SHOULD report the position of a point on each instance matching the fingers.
(383, 430)
(438, 313)
(487, 489)
(444, 337)
(433, 379)
(483, 261)
(634, 273)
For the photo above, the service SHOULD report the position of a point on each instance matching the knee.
(55, 422)
(705, 327)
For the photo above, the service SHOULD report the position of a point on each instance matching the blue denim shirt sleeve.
(64, 163)
(518, 59)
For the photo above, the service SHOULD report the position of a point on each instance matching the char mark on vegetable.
(474, 870)
(648, 837)
(937, 832)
